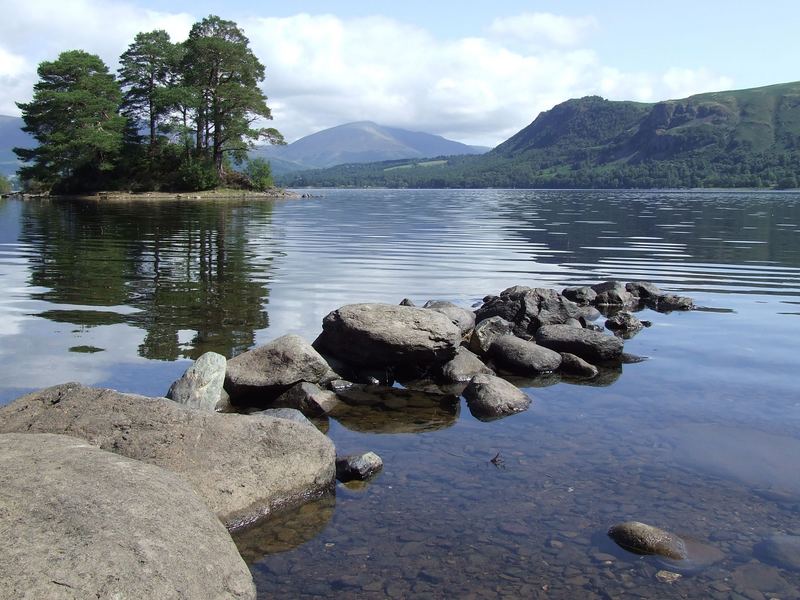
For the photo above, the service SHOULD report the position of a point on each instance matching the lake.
(702, 439)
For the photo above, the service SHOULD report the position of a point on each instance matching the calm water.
(702, 439)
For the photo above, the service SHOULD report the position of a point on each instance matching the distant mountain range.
(360, 142)
(12, 136)
(744, 138)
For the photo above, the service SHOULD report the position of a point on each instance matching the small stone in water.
(668, 576)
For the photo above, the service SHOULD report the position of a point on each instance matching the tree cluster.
(177, 117)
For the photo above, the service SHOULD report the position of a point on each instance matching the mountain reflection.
(186, 269)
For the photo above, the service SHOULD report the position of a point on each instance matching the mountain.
(743, 138)
(359, 142)
(12, 136)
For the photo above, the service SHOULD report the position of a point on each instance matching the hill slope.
(744, 138)
(12, 136)
(359, 143)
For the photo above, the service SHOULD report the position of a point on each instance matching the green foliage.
(259, 172)
(197, 175)
(5, 185)
(73, 116)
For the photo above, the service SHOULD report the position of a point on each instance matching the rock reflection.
(285, 531)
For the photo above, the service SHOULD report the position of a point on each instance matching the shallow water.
(701, 439)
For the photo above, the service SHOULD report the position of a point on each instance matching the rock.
(200, 386)
(646, 539)
(589, 345)
(358, 466)
(377, 335)
(575, 365)
(338, 385)
(267, 371)
(490, 397)
(464, 366)
(522, 357)
(485, 333)
(668, 576)
(406, 302)
(290, 414)
(624, 323)
(79, 522)
(642, 289)
(242, 467)
(581, 295)
(612, 293)
(670, 302)
(780, 549)
(574, 323)
(308, 398)
(461, 317)
(763, 579)
(528, 308)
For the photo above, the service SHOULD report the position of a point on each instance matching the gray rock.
(780, 549)
(581, 295)
(589, 345)
(464, 366)
(612, 293)
(268, 371)
(242, 467)
(485, 333)
(358, 466)
(79, 522)
(645, 539)
(339, 385)
(528, 308)
(574, 323)
(642, 289)
(290, 414)
(624, 323)
(575, 365)
(522, 357)
(200, 386)
(308, 398)
(377, 335)
(406, 302)
(490, 397)
(462, 318)
(670, 302)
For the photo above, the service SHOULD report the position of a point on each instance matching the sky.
(472, 71)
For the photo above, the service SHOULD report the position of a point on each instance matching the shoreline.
(217, 194)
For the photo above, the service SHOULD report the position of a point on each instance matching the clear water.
(702, 439)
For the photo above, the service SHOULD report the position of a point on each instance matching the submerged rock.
(358, 466)
(242, 467)
(377, 335)
(528, 308)
(645, 539)
(782, 550)
(522, 357)
(464, 366)
(461, 317)
(79, 522)
(200, 386)
(266, 372)
(490, 397)
(589, 345)
(486, 332)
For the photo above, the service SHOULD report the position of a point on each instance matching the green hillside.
(743, 138)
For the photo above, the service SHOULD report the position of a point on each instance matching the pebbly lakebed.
(702, 439)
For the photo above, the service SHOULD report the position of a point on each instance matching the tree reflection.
(186, 267)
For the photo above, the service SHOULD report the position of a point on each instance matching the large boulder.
(645, 539)
(576, 366)
(261, 374)
(308, 398)
(522, 357)
(464, 366)
(589, 345)
(462, 318)
(242, 467)
(201, 385)
(489, 397)
(668, 302)
(378, 335)
(528, 308)
(612, 293)
(486, 332)
(79, 522)
(582, 294)
(642, 289)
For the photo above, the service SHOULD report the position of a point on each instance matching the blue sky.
(473, 71)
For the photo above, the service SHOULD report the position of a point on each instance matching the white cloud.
(323, 70)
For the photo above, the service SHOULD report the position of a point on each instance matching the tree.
(74, 118)
(5, 184)
(259, 171)
(147, 69)
(225, 73)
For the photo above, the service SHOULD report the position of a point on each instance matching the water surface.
(702, 439)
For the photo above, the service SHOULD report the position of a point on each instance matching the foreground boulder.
(576, 366)
(308, 398)
(589, 345)
(79, 522)
(461, 317)
(522, 357)
(242, 467)
(200, 386)
(464, 366)
(265, 372)
(486, 332)
(378, 335)
(646, 539)
(582, 295)
(490, 397)
(358, 467)
(528, 308)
